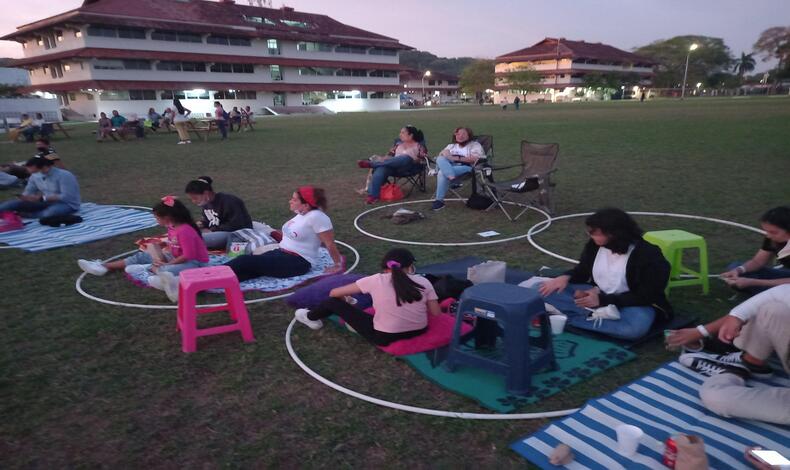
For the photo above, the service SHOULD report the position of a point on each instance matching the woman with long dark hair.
(222, 213)
(457, 159)
(184, 249)
(619, 274)
(409, 150)
(302, 236)
(402, 301)
(757, 275)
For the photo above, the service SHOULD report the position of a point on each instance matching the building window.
(197, 94)
(108, 65)
(383, 73)
(313, 97)
(48, 41)
(324, 71)
(73, 96)
(236, 95)
(274, 46)
(276, 73)
(114, 95)
(233, 68)
(102, 31)
(170, 94)
(452, 82)
(295, 24)
(313, 47)
(168, 65)
(278, 99)
(180, 36)
(259, 19)
(382, 51)
(352, 49)
(137, 64)
(142, 95)
(193, 66)
(227, 40)
(56, 71)
(131, 33)
(351, 73)
(431, 82)
(239, 41)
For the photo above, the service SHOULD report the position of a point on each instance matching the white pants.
(727, 394)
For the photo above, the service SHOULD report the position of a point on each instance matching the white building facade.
(132, 55)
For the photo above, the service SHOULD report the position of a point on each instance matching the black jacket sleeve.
(582, 272)
(647, 274)
(233, 215)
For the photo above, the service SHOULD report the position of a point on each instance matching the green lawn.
(85, 385)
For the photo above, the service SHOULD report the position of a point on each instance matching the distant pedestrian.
(221, 117)
(503, 102)
(642, 97)
(517, 102)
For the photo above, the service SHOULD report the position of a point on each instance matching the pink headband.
(307, 193)
(392, 264)
(169, 201)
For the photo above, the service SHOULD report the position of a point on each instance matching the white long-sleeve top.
(749, 308)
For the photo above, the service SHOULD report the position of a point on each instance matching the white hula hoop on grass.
(544, 224)
(547, 222)
(78, 286)
(409, 408)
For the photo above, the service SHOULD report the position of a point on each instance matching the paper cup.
(557, 323)
(628, 439)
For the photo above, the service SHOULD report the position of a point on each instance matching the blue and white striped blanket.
(662, 403)
(99, 222)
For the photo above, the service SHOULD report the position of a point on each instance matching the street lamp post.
(686, 71)
(426, 74)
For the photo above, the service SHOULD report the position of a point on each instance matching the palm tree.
(745, 64)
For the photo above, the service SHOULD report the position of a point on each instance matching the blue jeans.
(37, 209)
(222, 125)
(385, 169)
(447, 168)
(634, 321)
(762, 273)
(216, 240)
(142, 257)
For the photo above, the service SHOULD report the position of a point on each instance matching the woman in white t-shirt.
(302, 236)
(456, 159)
(402, 301)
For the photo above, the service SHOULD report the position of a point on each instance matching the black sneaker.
(699, 363)
(437, 205)
(735, 359)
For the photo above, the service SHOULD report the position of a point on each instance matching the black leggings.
(359, 321)
(275, 263)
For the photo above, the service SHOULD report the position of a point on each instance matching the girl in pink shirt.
(402, 301)
(184, 249)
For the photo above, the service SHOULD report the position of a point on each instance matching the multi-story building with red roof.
(563, 65)
(132, 55)
(429, 86)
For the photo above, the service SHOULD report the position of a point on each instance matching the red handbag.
(391, 192)
(10, 221)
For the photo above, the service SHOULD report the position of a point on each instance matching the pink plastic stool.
(192, 281)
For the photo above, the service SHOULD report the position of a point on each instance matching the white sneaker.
(182, 142)
(170, 284)
(156, 282)
(136, 268)
(189, 141)
(301, 316)
(92, 267)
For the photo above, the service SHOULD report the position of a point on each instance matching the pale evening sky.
(455, 28)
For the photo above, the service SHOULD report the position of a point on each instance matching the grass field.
(87, 385)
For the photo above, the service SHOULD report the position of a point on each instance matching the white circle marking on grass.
(78, 286)
(544, 224)
(547, 222)
(409, 408)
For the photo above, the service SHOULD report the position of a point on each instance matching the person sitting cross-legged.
(49, 192)
(617, 288)
(758, 327)
(402, 301)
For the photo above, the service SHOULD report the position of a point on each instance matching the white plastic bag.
(489, 271)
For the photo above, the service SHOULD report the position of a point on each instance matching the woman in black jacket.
(222, 213)
(617, 268)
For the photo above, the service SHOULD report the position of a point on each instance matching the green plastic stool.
(672, 244)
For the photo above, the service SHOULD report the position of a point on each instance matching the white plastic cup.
(557, 323)
(628, 439)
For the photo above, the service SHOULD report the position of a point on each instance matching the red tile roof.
(159, 85)
(212, 17)
(548, 49)
(106, 53)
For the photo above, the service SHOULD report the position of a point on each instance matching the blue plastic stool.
(513, 308)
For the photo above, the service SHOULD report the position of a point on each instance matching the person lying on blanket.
(222, 213)
(302, 236)
(402, 301)
(756, 328)
(49, 192)
(756, 275)
(184, 249)
(618, 286)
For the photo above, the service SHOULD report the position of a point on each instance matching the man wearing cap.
(50, 191)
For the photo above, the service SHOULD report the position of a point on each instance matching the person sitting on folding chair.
(458, 158)
(408, 152)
